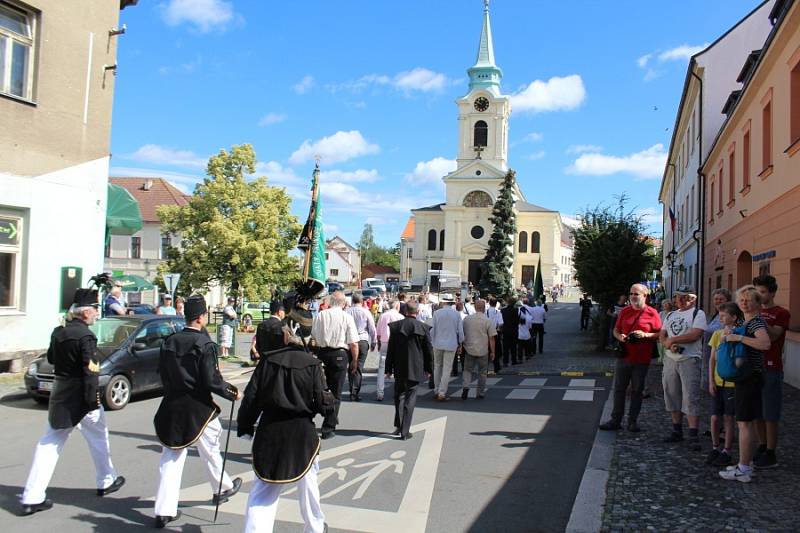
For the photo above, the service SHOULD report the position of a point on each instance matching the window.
(136, 247)
(107, 251)
(477, 199)
(523, 242)
(153, 335)
(436, 266)
(10, 261)
(794, 104)
(732, 174)
(476, 232)
(16, 51)
(410, 253)
(763, 269)
(692, 128)
(441, 240)
(711, 200)
(334, 272)
(432, 239)
(326, 256)
(691, 207)
(535, 241)
(721, 186)
(481, 134)
(746, 160)
(166, 244)
(766, 136)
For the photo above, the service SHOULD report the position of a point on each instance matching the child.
(722, 392)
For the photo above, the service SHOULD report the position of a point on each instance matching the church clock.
(481, 104)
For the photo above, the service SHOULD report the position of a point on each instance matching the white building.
(710, 79)
(454, 235)
(343, 261)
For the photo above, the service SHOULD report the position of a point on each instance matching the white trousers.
(382, 367)
(171, 469)
(442, 365)
(262, 505)
(94, 430)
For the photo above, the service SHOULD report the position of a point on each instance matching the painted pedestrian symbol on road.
(371, 475)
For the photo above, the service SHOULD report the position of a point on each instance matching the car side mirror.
(139, 346)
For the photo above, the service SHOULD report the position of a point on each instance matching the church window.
(441, 240)
(535, 240)
(481, 136)
(432, 239)
(523, 242)
(477, 199)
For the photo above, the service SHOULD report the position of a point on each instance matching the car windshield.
(111, 332)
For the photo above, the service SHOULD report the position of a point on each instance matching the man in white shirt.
(494, 314)
(425, 311)
(392, 315)
(334, 333)
(446, 336)
(538, 318)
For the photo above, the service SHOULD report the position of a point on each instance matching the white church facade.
(453, 236)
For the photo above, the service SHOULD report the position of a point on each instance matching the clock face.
(481, 104)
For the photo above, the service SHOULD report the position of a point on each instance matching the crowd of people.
(733, 361)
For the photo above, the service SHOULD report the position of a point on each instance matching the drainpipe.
(672, 251)
(701, 193)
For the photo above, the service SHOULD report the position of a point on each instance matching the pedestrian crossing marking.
(533, 382)
(522, 394)
(578, 395)
(582, 382)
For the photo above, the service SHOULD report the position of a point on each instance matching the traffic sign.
(171, 282)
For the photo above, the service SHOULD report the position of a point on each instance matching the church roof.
(437, 207)
(526, 207)
(410, 230)
(484, 74)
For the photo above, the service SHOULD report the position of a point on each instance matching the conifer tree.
(496, 268)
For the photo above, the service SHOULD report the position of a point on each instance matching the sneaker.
(724, 459)
(766, 460)
(734, 473)
(379, 397)
(713, 455)
(674, 437)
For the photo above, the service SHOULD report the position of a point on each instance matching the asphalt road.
(510, 462)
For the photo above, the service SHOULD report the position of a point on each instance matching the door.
(145, 361)
(528, 273)
(474, 272)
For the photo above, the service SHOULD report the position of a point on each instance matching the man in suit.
(510, 331)
(269, 334)
(409, 358)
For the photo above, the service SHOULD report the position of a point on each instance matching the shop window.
(10, 261)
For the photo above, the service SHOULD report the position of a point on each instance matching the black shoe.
(407, 436)
(674, 437)
(36, 507)
(724, 459)
(712, 456)
(766, 460)
(610, 426)
(464, 394)
(162, 521)
(633, 427)
(224, 496)
(762, 449)
(453, 374)
(694, 444)
(114, 487)
(431, 385)
(396, 432)
(357, 398)
(328, 435)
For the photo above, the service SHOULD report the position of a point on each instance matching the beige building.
(453, 236)
(56, 96)
(752, 173)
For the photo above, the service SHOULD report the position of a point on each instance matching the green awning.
(123, 216)
(134, 283)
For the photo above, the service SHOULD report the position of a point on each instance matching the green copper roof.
(484, 74)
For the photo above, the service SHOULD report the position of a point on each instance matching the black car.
(128, 347)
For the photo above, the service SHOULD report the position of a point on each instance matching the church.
(453, 236)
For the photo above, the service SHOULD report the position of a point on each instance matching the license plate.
(45, 385)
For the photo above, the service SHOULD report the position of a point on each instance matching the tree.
(366, 244)
(611, 253)
(496, 267)
(371, 253)
(234, 231)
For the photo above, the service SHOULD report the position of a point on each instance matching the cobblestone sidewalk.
(664, 487)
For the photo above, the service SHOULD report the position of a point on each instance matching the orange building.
(752, 178)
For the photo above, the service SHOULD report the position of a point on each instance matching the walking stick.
(224, 460)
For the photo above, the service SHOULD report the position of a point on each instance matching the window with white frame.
(17, 29)
(10, 261)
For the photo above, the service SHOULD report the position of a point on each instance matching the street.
(512, 461)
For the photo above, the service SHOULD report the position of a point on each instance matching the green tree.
(372, 253)
(234, 231)
(496, 267)
(366, 244)
(611, 253)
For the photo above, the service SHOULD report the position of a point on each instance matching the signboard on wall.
(9, 233)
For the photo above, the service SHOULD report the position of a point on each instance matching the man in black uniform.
(510, 330)
(286, 391)
(409, 357)
(269, 334)
(187, 414)
(74, 402)
(586, 310)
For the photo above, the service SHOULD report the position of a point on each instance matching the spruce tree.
(496, 268)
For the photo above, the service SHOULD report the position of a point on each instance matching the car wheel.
(117, 393)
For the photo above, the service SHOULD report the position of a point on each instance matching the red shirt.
(647, 320)
(775, 316)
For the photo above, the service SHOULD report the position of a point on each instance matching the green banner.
(9, 231)
(316, 270)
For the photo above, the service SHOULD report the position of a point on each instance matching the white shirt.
(681, 322)
(524, 330)
(495, 316)
(448, 331)
(538, 315)
(424, 312)
(333, 328)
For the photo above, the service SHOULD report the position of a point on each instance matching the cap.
(168, 297)
(85, 298)
(194, 306)
(686, 289)
(275, 306)
(448, 298)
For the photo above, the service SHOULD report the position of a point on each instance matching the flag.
(672, 220)
(538, 284)
(312, 242)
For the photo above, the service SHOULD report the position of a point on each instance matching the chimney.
(147, 185)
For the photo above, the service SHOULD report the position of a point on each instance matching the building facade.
(710, 78)
(453, 236)
(56, 96)
(343, 261)
(753, 178)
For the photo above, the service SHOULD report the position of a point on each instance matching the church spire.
(484, 74)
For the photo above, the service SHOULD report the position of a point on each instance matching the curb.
(587, 511)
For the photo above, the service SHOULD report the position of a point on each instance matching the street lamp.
(671, 256)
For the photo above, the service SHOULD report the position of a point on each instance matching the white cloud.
(355, 176)
(272, 118)
(329, 229)
(534, 136)
(380, 221)
(184, 182)
(417, 79)
(581, 148)
(537, 155)
(430, 171)
(642, 61)
(651, 216)
(681, 53)
(349, 199)
(647, 164)
(555, 94)
(204, 15)
(277, 174)
(159, 155)
(304, 85)
(340, 146)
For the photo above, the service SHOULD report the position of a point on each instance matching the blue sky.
(370, 85)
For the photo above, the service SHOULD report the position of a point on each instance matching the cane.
(224, 459)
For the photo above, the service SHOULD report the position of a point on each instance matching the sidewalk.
(655, 486)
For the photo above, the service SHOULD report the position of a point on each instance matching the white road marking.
(582, 382)
(533, 382)
(579, 395)
(522, 394)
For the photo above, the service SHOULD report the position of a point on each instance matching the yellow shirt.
(714, 342)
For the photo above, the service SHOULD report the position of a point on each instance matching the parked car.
(405, 285)
(368, 293)
(128, 347)
(332, 286)
(251, 310)
(143, 309)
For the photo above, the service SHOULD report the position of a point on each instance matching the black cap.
(194, 306)
(85, 298)
(275, 306)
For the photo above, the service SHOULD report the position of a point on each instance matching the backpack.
(731, 357)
